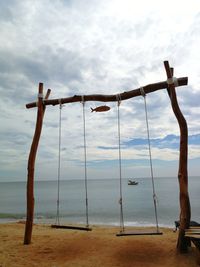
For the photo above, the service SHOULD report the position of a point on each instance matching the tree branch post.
(31, 165)
(185, 210)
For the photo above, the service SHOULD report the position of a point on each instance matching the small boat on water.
(131, 182)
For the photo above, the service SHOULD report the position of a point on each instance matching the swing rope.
(59, 165)
(120, 165)
(150, 159)
(85, 164)
(57, 222)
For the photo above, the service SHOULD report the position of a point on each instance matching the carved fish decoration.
(100, 109)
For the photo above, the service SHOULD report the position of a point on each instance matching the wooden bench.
(192, 224)
(193, 234)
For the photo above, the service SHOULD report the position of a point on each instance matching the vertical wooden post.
(185, 211)
(31, 165)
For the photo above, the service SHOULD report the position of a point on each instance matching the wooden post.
(31, 165)
(185, 211)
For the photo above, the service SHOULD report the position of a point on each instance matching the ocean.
(103, 201)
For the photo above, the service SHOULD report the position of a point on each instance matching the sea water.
(103, 201)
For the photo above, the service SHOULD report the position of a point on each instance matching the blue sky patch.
(169, 141)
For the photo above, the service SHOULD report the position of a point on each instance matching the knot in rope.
(119, 100)
(142, 91)
(155, 198)
(60, 102)
(82, 100)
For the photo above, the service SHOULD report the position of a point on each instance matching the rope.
(59, 164)
(85, 164)
(173, 81)
(150, 159)
(120, 166)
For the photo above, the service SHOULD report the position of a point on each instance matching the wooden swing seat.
(83, 228)
(139, 232)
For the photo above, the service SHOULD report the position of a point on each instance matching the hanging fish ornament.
(100, 109)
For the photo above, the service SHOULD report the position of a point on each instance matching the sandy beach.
(99, 247)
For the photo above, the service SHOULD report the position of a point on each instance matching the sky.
(97, 47)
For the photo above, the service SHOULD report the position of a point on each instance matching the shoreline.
(99, 247)
(46, 221)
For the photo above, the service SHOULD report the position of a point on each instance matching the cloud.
(95, 47)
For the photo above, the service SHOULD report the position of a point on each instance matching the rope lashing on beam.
(60, 102)
(119, 100)
(82, 100)
(172, 80)
(40, 95)
(142, 91)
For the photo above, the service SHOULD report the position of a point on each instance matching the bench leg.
(196, 242)
(198, 256)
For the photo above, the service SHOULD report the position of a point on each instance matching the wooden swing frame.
(170, 84)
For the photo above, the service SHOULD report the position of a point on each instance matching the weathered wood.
(81, 228)
(185, 211)
(139, 232)
(110, 98)
(31, 165)
(192, 231)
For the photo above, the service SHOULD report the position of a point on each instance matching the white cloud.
(87, 47)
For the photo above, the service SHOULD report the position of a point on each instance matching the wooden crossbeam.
(110, 98)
